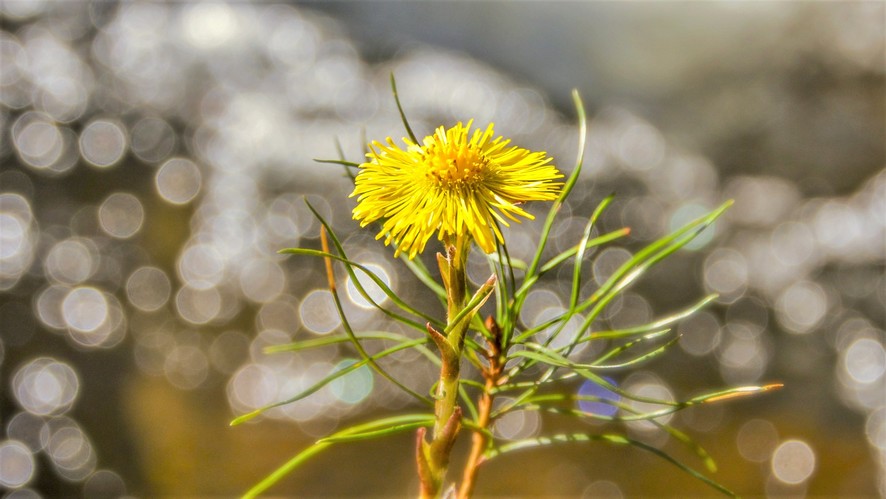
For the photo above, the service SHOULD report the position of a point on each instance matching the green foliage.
(550, 386)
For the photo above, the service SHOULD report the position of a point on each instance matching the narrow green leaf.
(473, 305)
(600, 361)
(558, 203)
(591, 243)
(633, 415)
(641, 262)
(503, 267)
(732, 393)
(342, 162)
(577, 265)
(565, 255)
(538, 402)
(341, 155)
(401, 422)
(399, 419)
(421, 271)
(472, 383)
(400, 110)
(350, 265)
(610, 438)
(338, 339)
(330, 276)
(466, 400)
(582, 246)
(513, 263)
(333, 376)
(521, 399)
(551, 357)
(542, 403)
(657, 324)
(523, 385)
(367, 435)
(654, 252)
(284, 470)
(246, 417)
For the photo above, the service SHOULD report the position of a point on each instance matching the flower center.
(453, 166)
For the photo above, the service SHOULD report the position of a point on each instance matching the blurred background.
(155, 156)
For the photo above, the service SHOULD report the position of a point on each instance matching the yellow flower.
(456, 184)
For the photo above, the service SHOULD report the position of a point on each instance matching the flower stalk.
(433, 457)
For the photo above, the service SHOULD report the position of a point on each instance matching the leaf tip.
(744, 392)
(491, 281)
(245, 417)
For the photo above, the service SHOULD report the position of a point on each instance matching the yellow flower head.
(456, 184)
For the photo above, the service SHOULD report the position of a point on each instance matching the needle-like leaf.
(610, 438)
(378, 428)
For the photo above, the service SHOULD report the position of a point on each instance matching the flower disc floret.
(455, 184)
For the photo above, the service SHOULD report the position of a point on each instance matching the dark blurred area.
(155, 156)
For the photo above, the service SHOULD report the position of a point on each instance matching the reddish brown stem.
(480, 439)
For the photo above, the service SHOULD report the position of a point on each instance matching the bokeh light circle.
(186, 367)
(793, 462)
(875, 428)
(318, 313)
(37, 140)
(517, 425)
(17, 241)
(48, 306)
(104, 483)
(801, 307)
(109, 332)
(71, 452)
(228, 351)
(148, 288)
(18, 464)
(353, 387)
(262, 280)
(699, 333)
(72, 261)
(121, 215)
(12, 235)
(648, 386)
(251, 387)
(865, 361)
(45, 386)
(598, 399)
(198, 306)
(103, 143)
(375, 293)
(726, 273)
(602, 489)
(201, 266)
(178, 181)
(756, 440)
(608, 261)
(153, 140)
(84, 309)
(26, 427)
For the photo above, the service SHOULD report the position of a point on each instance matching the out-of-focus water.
(156, 156)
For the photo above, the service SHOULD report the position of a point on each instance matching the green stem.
(433, 458)
(456, 299)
